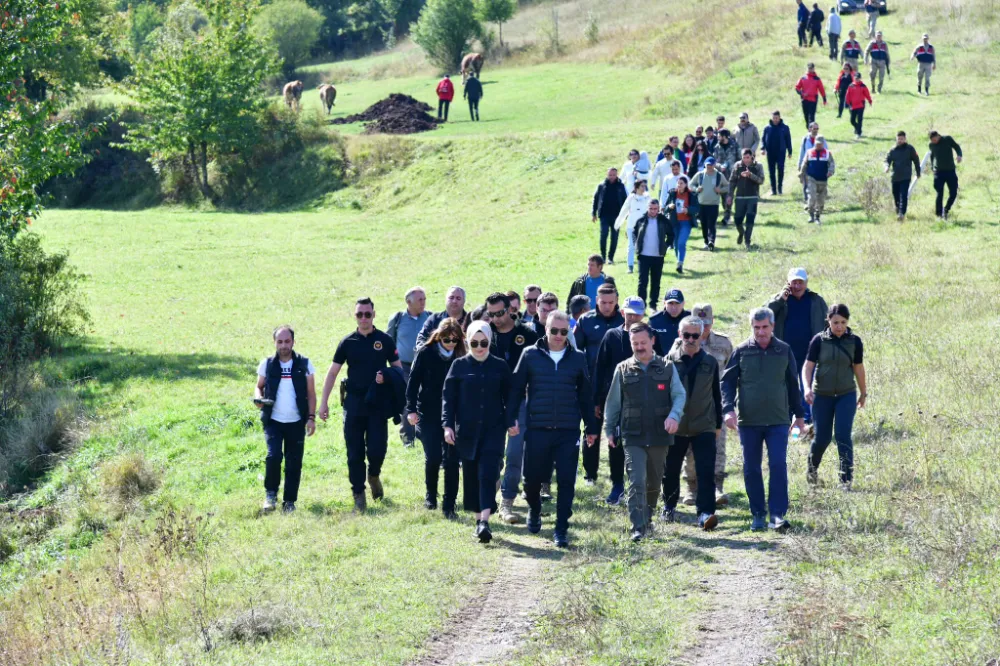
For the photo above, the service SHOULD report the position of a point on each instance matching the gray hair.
(554, 316)
(760, 314)
(414, 290)
(691, 320)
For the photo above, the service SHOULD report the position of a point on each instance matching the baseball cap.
(925, 36)
(710, 160)
(797, 274)
(634, 306)
(674, 295)
(703, 311)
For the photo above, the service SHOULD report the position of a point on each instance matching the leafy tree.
(446, 30)
(496, 11)
(145, 19)
(202, 93)
(292, 27)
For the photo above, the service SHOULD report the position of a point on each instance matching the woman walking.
(474, 416)
(697, 161)
(682, 208)
(634, 207)
(423, 406)
(833, 373)
(844, 81)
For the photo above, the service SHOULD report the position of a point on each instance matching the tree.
(496, 11)
(445, 31)
(292, 27)
(201, 93)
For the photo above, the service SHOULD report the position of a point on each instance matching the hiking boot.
(546, 492)
(668, 515)
(721, 498)
(376, 485)
(430, 503)
(534, 521)
(758, 524)
(708, 521)
(560, 539)
(507, 514)
(691, 494)
(812, 217)
(270, 502)
(288, 507)
(779, 524)
(739, 236)
(615, 496)
(449, 514)
(636, 535)
(360, 503)
(483, 532)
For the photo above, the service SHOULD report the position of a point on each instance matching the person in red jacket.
(446, 93)
(810, 89)
(857, 93)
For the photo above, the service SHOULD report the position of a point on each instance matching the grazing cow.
(293, 94)
(473, 62)
(327, 95)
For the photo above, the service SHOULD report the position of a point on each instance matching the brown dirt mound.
(396, 114)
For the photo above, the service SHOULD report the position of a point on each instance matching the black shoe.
(945, 215)
(431, 503)
(560, 540)
(483, 531)
(668, 515)
(288, 507)
(449, 514)
(711, 246)
(636, 536)
(534, 522)
(739, 238)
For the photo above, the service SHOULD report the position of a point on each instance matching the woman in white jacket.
(635, 206)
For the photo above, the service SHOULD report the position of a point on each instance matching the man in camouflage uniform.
(720, 348)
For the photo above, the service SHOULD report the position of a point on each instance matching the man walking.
(810, 89)
(454, 307)
(368, 353)
(588, 283)
(473, 92)
(808, 143)
(746, 135)
(560, 396)
(727, 156)
(666, 173)
(531, 294)
(926, 63)
(943, 166)
(851, 52)
(652, 237)
(445, 92)
(666, 323)
(286, 396)
(759, 390)
(877, 54)
(857, 95)
(711, 187)
(802, 17)
(816, 17)
(699, 427)
(608, 200)
(902, 161)
(404, 327)
(871, 13)
(833, 28)
(643, 389)
(777, 145)
(744, 188)
(816, 170)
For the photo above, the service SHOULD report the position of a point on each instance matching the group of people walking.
(501, 398)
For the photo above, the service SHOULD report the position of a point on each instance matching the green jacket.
(834, 373)
(702, 384)
(641, 399)
(817, 314)
(761, 385)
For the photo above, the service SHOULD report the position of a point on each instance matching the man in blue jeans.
(759, 387)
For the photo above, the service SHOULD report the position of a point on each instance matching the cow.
(472, 62)
(327, 95)
(292, 93)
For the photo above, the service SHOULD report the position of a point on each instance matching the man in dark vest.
(286, 397)
(700, 425)
(645, 404)
(759, 389)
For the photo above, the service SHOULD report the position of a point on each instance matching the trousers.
(817, 195)
(924, 70)
(942, 178)
(680, 243)
(834, 38)
(616, 462)
(857, 120)
(878, 68)
(650, 272)
(809, 111)
(443, 105)
(608, 227)
(431, 435)
(746, 210)
(702, 447)
(776, 170)
(834, 419)
(290, 439)
(753, 439)
(901, 195)
(474, 108)
(709, 215)
(515, 456)
(645, 470)
(366, 436)
(543, 449)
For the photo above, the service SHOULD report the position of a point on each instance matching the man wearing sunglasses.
(560, 396)
(509, 341)
(531, 294)
(367, 352)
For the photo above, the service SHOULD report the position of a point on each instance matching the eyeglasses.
(448, 341)
(363, 315)
(476, 344)
(691, 336)
(498, 313)
(559, 331)
(530, 300)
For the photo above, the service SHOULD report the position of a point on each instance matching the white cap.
(798, 274)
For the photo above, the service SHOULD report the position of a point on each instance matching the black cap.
(674, 295)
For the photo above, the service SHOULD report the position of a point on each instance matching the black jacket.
(426, 384)
(579, 287)
(589, 334)
(525, 336)
(473, 89)
(666, 327)
(387, 399)
(816, 20)
(559, 396)
(608, 200)
(665, 234)
(434, 321)
(475, 403)
(615, 348)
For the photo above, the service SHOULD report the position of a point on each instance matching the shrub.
(292, 27)
(591, 31)
(129, 477)
(46, 426)
(257, 624)
(375, 156)
(7, 548)
(446, 30)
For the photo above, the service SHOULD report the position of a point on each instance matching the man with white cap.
(926, 63)
(799, 314)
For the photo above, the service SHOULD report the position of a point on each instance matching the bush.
(446, 30)
(292, 27)
(591, 31)
(47, 425)
(7, 548)
(129, 477)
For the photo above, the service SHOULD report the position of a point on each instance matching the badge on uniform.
(377, 346)
(661, 387)
(519, 340)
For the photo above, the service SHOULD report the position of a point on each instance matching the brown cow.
(472, 62)
(292, 93)
(327, 95)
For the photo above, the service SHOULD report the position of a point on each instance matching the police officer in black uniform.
(367, 352)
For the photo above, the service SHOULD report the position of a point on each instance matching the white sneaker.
(270, 502)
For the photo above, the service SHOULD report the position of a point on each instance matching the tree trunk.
(204, 170)
(500, 29)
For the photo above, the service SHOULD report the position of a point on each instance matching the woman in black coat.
(423, 406)
(473, 415)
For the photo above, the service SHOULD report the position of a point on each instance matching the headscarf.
(478, 327)
(642, 166)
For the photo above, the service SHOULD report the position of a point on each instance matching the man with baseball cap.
(615, 348)
(926, 63)
(711, 187)
(667, 321)
(799, 314)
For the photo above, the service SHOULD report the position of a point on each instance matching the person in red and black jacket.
(844, 81)
(857, 94)
(445, 92)
(810, 89)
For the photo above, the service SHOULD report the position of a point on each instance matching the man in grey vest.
(759, 389)
(644, 389)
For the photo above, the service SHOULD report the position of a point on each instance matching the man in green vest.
(759, 390)
(646, 402)
(702, 420)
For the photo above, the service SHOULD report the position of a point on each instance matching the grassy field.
(902, 571)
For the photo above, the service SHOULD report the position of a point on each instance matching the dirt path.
(491, 627)
(746, 587)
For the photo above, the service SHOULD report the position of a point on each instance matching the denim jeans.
(544, 449)
(753, 439)
(293, 437)
(834, 419)
(631, 252)
(515, 456)
(681, 242)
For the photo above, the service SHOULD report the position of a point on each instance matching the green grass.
(183, 304)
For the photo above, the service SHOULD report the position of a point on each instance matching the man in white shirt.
(668, 180)
(286, 395)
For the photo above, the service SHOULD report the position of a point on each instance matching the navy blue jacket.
(559, 396)
(387, 399)
(426, 384)
(434, 321)
(777, 141)
(615, 348)
(803, 14)
(475, 404)
(667, 328)
(590, 332)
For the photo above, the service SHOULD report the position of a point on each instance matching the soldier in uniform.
(644, 389)
(850, 52)
(877, 54)
(926, 63)
(367, 352)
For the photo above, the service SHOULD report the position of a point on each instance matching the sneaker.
(900, 217)
(680, 267)
(507, 514)
(270, 502)
(546, 492)
(376, 486)
(711, 246)
(636, 535)
(483, 531)
(845, 486)
(758, 524)
(708, 521)
(689, 496)
(818, 221)
(611, 262)
(779, 524)
(360, 503)
(945, 216)
(748, 246)
(631, 270)
(534, 521)
(589, 482)
(707, 247)
(668, 515)
(288, 507)
(615, 496)
(560, 539)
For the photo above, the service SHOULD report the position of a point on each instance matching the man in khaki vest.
(645, 403)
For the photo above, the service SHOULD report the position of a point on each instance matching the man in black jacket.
(560, 396)
(816, 18)
(588, 283)
(473, 92)
(608, 200)
(667, 322)
(899, 161)
(454, 307)
(652, 235)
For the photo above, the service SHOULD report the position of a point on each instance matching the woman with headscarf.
(423, 406)
(474, 418)
(634, 208)
(640, 171)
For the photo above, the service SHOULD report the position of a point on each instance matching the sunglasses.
(476, 344)
(449, 341)
(691, 336)
(559, 331)
(363, 315)
(498, 313)
(531, 300)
